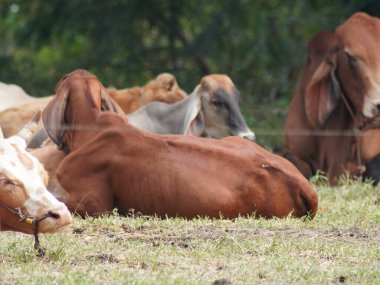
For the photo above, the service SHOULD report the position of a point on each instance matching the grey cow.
(212, 110)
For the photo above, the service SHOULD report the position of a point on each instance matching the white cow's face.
(23, 183)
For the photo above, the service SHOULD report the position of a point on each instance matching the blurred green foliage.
(260, 44)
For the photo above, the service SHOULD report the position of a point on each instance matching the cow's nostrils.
(250, 137)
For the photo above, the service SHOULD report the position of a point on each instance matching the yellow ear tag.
(29, 221)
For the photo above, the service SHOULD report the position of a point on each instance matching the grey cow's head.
(221, 114)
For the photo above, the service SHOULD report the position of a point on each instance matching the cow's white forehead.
(11, 165)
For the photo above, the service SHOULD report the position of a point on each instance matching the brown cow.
(164, 88)
(339, 93)
(111, 163)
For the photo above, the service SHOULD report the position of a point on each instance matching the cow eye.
(352, 60)
(7, 183)
(217, 103)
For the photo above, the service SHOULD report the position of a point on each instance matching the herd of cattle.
(161, 152)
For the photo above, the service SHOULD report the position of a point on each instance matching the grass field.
(341, 245)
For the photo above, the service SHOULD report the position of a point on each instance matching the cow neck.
(142, 97)
(358, 125)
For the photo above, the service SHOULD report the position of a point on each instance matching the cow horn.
(28, 130)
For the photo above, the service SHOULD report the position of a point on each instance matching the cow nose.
(250, 137)
(378, 108)
(61, 217)
(54, 215)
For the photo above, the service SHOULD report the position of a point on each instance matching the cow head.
(61, 113)
(23, 183)
(163, 88)
(219, 114)
(348, 65)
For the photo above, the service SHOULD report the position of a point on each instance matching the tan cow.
(164, 88)
(338, 95)
(113, 164)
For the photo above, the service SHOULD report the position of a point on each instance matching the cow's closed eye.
(8, 184)
(351, 59)
(218, 103)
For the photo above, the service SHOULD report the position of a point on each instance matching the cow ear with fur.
(53, 118)
(194, 119)
(196, 126)
(323, 92)
(108, 104)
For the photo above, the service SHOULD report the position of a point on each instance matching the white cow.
(12, 95)
(24, 199)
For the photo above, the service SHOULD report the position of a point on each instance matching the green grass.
(341, 244)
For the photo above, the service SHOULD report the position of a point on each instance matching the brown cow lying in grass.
(211, 110)
(112, 164)
(164, 88)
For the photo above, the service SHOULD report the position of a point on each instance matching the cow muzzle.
(56, 220)
(248, 135)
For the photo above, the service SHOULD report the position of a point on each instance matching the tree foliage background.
(260, 44)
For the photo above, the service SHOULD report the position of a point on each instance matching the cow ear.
(194, 119)
(108, 104)
(53, 117)
(323, 92)
(196, 125)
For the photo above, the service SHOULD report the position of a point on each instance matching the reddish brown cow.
(111, 163)
(339, 92)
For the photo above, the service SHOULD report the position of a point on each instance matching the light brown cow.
(164, 88)
(113, 164)
(339, 93)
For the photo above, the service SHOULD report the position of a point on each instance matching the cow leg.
(87, 191)
(373, 170)
(301, 165)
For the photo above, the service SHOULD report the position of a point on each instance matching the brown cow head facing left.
(351, 68)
